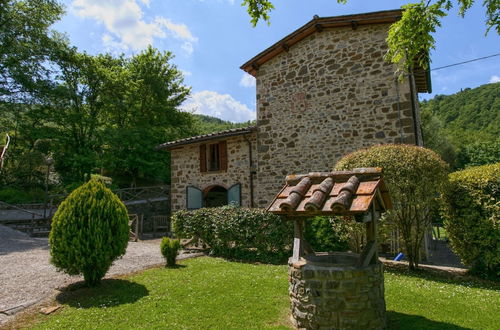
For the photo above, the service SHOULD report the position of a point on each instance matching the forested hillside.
(464, 127)
(206, 124)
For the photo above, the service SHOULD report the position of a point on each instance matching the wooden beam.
(374, 224)
(367, 254)
(307, 247)
(298, 247)
(381, 200)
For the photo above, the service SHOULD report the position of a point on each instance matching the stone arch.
(215, 195)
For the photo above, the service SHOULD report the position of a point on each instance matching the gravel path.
(27, 277)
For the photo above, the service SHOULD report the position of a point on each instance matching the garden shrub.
(472, 218)
(18, 196)
(328, 233)
(169, 249)
(415, 177)
(240, 233)
(89, 231)
(13, 196)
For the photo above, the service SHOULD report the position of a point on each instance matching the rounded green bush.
(415, 177)
(472, 218)
(89, 231)
(169, 249)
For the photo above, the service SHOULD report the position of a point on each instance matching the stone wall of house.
(328, 95)
(185, 169)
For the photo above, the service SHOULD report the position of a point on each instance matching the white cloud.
(187, 47)
(222, 106)
(179, 31)
(125, 25)
(247, 80)
(494, 79)
(110, 43)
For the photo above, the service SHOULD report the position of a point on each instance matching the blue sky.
(211, 39)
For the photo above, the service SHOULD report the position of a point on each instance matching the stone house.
(322, 91)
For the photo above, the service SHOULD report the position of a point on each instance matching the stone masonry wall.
(330, 94)
(185, 168)
(324, 297)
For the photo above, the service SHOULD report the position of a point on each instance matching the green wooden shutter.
(234, 195)
(194, 198)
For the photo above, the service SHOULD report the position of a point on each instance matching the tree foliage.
(102, 114)
(25, 43)
(472, 217)
(415, 176)
(463, 127)
(89, 231)
(206, 124)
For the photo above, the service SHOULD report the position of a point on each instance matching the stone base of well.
(328, 291)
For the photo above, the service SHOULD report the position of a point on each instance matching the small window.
(213, 157)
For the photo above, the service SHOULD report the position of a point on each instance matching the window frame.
(213, 152)
(205, 157)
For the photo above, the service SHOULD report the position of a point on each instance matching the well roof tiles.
(332, 193)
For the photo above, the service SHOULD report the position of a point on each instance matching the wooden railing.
(36, 220)
(45, 211)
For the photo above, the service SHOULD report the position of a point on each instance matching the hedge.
(471, 212)
(239, 233)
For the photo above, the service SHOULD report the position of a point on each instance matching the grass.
(443, 235)
(422, 300)
(202, 293)
(211, 293)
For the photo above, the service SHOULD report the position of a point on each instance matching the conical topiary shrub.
(89, 231)
(169, 249)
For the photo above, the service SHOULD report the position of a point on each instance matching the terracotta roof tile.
(206, 137)
(330, 193)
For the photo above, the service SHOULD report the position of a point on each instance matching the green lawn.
(419, 300)
(210, 293)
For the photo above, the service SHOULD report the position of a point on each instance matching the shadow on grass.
(397, 320)
(444, 277)
(111, 292)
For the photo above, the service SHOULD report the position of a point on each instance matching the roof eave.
(317, 24)
(203, 138)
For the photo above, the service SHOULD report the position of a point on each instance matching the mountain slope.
(471, 111)
(206, 124)
(464, 128)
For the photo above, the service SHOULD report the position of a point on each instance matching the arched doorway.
(215, 196)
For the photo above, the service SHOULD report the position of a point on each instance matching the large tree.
(142, 107)
(25, 43)
(410, 37)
